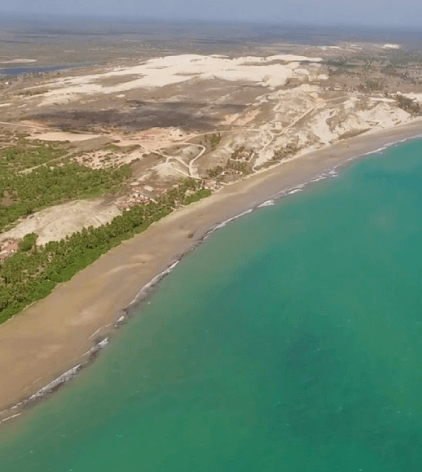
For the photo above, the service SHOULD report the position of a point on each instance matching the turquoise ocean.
(290, 340)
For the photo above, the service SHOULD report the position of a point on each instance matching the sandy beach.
(57, 333)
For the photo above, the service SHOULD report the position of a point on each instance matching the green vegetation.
(352, 133)
(401, 59)
(400, 73)
(33, 271)
(113, 148)
(373, 85)
(235, 163)
(214, 140)
(340, 66)
(407, 104)
(72, 131)
(236, 153)
(34, 174)
(198, 195)
(341, 62)
(285, 152)
(46, 186)
(132, 148)
(28, 242)
(217, 172)
(241, 167)
(26, 154)
(29, 93)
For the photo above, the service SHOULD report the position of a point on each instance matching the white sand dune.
(64, 136)
(57, 222)
(272, 71)
(18, 61)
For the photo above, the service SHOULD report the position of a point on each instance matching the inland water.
(291, 340)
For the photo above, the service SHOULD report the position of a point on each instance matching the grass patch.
(353, 133)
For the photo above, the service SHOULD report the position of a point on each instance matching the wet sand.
(55, 334)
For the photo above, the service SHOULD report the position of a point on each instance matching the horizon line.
(41, 16)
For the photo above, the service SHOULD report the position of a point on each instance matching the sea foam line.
(151, 283)
(386, 146)
(266, 204)
(10, 417)
(98, 346)
(61, 379)
(224, 223)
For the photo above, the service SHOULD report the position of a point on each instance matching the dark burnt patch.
(142, 115)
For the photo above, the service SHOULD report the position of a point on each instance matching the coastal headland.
(91, 144)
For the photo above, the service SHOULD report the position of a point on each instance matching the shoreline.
(52, 340)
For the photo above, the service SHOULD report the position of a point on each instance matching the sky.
(358, 12)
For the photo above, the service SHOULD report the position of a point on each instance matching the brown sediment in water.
(61, 332)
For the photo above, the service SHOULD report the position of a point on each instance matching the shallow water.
(290, 340)
(31, 70)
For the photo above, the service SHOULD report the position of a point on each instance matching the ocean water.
(291, 340)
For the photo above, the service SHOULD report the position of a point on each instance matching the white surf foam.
(62, 378)
(267, 203)
(224, 223)
(152, 282)
(10, 417)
